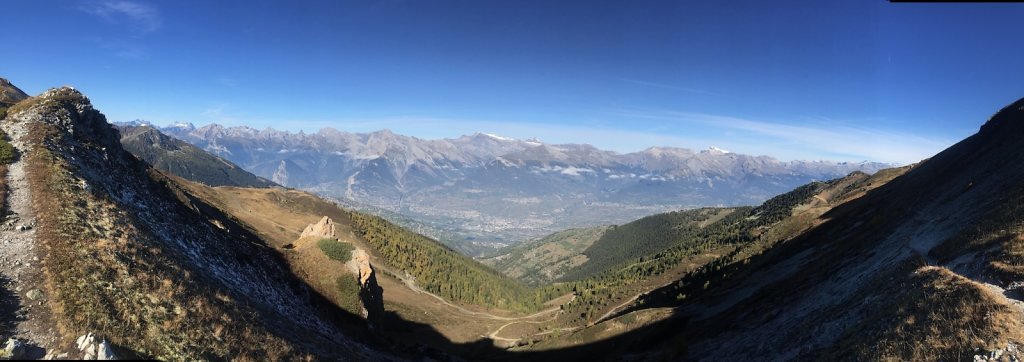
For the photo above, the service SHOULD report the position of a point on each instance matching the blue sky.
(842, 80)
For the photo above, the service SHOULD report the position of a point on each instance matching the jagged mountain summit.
(488, 188)
(183, 159)
(10, 94)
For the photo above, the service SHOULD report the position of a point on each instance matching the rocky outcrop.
(371, 295)
(94, 348)
(13, 349)
(360, 265)
(322, 229)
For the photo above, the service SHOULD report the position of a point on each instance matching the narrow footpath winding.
(553, 311)
(24, 312)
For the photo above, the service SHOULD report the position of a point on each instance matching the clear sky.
(842, 80)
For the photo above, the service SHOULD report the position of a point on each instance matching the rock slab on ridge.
(323, 229)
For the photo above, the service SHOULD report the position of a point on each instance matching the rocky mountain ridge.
(498, 190)
(181, 158)
(10, 94)
(132, 257)
(481, 149)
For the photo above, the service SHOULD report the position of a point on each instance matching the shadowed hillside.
(183, 159)
(925, 266)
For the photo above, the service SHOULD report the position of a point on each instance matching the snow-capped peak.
(497, 137)
(137, 122)
(716, 150)
(182, 125)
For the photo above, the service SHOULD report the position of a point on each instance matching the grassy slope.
(272, 213)
(666, 236)
(278, 215)
(114, 270)
(923, 312)
(909, 266)
(543, 261)
(702, 265)
(641, 238)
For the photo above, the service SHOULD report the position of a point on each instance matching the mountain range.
(142, 260)
(185, 160)
(483, 191)
(921, 262)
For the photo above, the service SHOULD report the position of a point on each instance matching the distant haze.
(482, 191)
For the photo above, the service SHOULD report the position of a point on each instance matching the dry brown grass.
(280, 215)
(277, 214)
(1008, 265)
(931, 313)
(108, 276)
(998, 235)
(323, 273)
(4, 160)
(949, 316)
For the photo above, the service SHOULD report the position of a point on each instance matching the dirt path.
(494, 335)
(554, 311)
(412, 286)
(24, 313)
(620, 306)
(629, 301)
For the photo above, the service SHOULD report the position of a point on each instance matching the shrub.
(348, 293)
(336, 250)
(6, 151)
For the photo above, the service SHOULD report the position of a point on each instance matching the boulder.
(93, 350)
(322, 229)
(34, 294)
